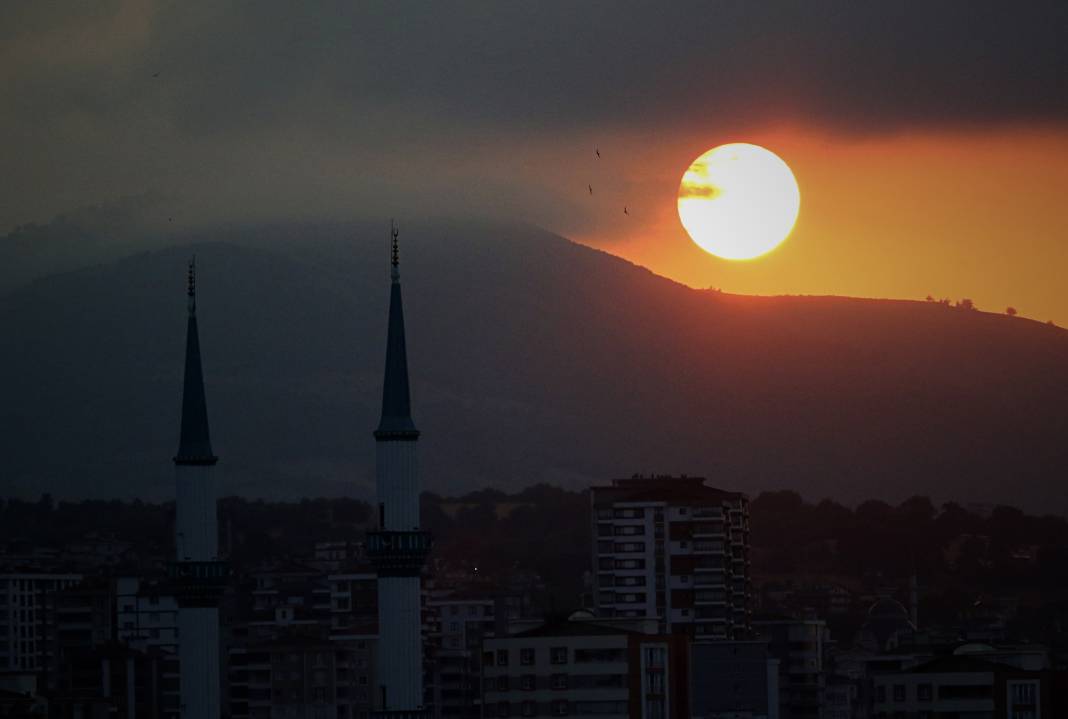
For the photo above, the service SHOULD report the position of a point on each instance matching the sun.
(738, 201)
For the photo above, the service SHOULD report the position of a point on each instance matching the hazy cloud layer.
(289, 108)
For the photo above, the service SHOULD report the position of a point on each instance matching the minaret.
(198, 575)
(398, 548)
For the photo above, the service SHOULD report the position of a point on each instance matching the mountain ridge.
(533, 359)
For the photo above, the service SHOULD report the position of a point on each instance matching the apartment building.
(961, 685)
(676, 550)
(801, 646)
(27, 607)
(581, 667)
(301, 673)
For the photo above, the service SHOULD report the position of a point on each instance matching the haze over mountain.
(533, 359)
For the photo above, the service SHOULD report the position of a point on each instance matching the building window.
(559, 681)
(880, 693)
(502, 683)
(1023, 693)
(924, 693)
(526, 656)
(529, 709)
(560, 708)
(899, 692)
(502, 657)
(527, 683)
(503, 710)
(558, 655)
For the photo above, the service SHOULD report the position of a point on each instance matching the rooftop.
(663, 488)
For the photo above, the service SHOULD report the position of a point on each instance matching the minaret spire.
(194, 446)
(396, 421)
(192, 285)
(394, 272)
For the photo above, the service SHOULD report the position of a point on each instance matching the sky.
(929, 140)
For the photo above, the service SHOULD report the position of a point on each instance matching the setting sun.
(738, 201)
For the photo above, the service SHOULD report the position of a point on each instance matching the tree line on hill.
(546, 530)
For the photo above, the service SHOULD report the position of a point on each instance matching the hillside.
(533, 359)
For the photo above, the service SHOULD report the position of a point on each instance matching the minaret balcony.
(198, 584)
(398, 554)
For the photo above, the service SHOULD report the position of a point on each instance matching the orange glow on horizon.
(978, 215)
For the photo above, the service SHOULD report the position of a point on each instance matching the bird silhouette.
(625, 210)
(155, 74)
(591, 188)
(598, 151)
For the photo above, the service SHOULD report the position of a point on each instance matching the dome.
(887, 622)
(887, 608)
(582, 615)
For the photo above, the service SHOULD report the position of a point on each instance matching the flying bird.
(598, 151)
(625, 210)
(591, 188)
(155, 74)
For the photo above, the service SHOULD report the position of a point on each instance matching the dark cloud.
(574, 64)
(281, 98)
(706, 191)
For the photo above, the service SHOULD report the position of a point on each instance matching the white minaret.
(197, 572)
(398, 549)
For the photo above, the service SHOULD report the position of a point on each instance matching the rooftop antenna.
(192, 289)
(395, 254)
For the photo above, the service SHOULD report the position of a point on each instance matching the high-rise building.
(456, 624)
(673, 549)
(800, 645)
(197, 572)
(27, 609)
(398, 548)
(146, 619)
